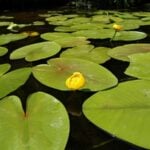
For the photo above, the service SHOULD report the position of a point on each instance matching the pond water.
(84, 135)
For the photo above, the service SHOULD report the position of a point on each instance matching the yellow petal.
(75, 81)
(117, 27)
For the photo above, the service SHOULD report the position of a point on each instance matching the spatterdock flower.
(117, 27)
(75, 81)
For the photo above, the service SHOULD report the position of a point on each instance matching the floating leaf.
(44, 125)
(129, 36)
(10, 37)
(4, 68)
(122, 52)
(13, 80)
(98, 55)
(38, 23)
(72, 41)
(123, 111)
(51, 36)
(95, 34)
(4, 23)
(36, 51)
(139, 66)
(59, 69)
(3, 50)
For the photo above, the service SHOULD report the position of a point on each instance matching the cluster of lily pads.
(121, 109)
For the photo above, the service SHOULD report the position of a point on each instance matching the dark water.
(83, 134)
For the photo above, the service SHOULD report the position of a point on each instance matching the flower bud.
(75, 81)
(117, 27)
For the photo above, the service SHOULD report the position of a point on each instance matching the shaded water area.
(83, 134)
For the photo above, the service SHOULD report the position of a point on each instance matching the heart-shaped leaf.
(36, 51)
(122, 52)
(129, 36)
(123, 111)
(4, 68)
(3, 51)
(13, 80)
(58, 70)
(98, 55)
(10, 37)
(139, 66)
(44, 125)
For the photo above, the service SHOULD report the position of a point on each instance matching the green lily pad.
(88, 52)
(4, 68)
(59, 69)
(123, 111)
(6, 17)
(4, 23)
(51, 36)
(95, 34)
(36, 51)
(126, 15)
(72, 41)
(3, 50)
(10, 81)
(10, 37)
(129, 36)
(56, 18)
(122, 52)
(139, 66)
(38, 23)
(64, 29)
(44, 125)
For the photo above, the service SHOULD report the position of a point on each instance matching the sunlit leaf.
(36, 51)
(139, 66)
(98, 55)
(58, 70)
(44, 125)
(129, 36)
(123, 111)
(3, 50)
(10, 37)
(122, 52)
(13, 80)
(4, 68)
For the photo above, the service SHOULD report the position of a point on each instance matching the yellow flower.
(75, 81)
(117, 27)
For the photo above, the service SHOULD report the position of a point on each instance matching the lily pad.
(3, 50)
(95, 34)
(129, 36)
(44, 125)
(4, 23)
(10, 37)
(139, 66)
(98, 55)
(123, 111)
(122, 52)
(51, 36)
(58, 70)
(10, 81)
(36, 51)
(72, 41)
(4, 68)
